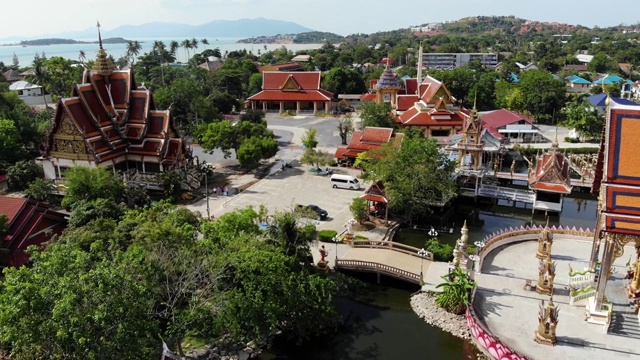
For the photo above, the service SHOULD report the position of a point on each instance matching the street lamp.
(206, 190)
(422, 253)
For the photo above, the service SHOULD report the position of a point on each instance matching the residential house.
(301, 58)
(24, 88)
(12, 76)
(576, 84)
(511, 126)
(599, 101)
(212, 63)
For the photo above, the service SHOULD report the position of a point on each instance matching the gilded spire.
(103, 65)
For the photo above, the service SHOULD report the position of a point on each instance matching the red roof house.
(504, 123)
(297, 91)
(29, 223)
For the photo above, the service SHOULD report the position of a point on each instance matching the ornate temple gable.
(139, 107)
(67, 141)
(158, 124)
(75, 110)
(120, 86)
(434, 90)
(92, 105)
(290, 84)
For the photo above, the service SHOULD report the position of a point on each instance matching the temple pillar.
(315, 107)
(297, 107)
(605, 269)
(253, 105)
(264, 106)
(281, 107)
(326, 107)
(597, 240)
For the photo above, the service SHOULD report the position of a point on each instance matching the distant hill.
(312, 37)
(57, 41)
(216, 28)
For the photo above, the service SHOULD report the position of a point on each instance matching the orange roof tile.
(307, 80)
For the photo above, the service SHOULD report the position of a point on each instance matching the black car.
(321, 214)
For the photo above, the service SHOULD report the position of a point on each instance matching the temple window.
(440, 133)
(150, 167)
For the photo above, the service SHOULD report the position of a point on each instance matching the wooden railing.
(369, 266)
(392, 245)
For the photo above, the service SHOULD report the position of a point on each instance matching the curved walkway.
(511, 313)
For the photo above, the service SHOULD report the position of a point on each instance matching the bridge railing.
(369, 266)
(392, 245)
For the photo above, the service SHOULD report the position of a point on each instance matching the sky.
(343, 17)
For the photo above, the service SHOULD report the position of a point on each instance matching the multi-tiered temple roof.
(109, 117)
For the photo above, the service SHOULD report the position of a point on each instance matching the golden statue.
(545, 241)
(547, 323)
(546, 274)
(633, 289)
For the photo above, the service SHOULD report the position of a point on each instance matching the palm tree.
(186, 45)
(293, 239)
(41, 77)
(194, 44)
(173, 47)
(159, 49)
(456, 291)
(133, 49)
(204, 42)
(82, 57)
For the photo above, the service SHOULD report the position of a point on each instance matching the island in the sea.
(312, 37)
(57, 41)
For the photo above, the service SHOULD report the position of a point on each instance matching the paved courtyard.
(511, 312)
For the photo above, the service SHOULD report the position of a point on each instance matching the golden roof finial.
(103, 65)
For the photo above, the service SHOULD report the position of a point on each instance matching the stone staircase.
(624, 322)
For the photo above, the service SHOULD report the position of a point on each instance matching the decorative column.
(264, 106)
(547, 323)
(546, 274)
(315, 107)
(545, 241)
(253, 105)
(297, 107)
(281, 107)
(326, 107)
(605, 268)
(597, 237)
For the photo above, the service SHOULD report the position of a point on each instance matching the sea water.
(26, 54)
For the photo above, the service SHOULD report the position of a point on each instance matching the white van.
(345, 182)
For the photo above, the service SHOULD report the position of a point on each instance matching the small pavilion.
(550, 180)
(291, 91)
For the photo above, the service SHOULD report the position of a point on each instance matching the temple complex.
(291, 91)
(111, 122)
(370, 138)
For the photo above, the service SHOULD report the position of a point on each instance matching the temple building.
(550, 180)
(370, 138)
(111, 122)
(28, 223)
(291, 91)
(617, 181)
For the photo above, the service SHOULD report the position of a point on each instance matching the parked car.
(321, 214)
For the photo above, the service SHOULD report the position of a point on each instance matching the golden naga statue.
(545, 242)
(546, 274)
(547, 323)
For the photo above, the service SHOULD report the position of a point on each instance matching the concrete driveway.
(284, 189)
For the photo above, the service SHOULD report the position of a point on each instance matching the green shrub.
(327, 235)
(360, 237)
(441, 252)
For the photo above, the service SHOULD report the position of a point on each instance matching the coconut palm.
(186, 45)
(194, 44)
(40, 77)
(133, 49)
(286, 233)
(159, 49)
(82, 57)
(456, 291)
(173, 47)
(204, 43)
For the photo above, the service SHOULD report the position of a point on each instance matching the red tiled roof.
(10, 206)
(373, 134)
(339, 154)
(278, 95)
(500, 118)
(430, 87)
(374, 198)
(307, 80)
(368, 97)
(558, 188)
(406, 101)
(411, 86)
(551, 173)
